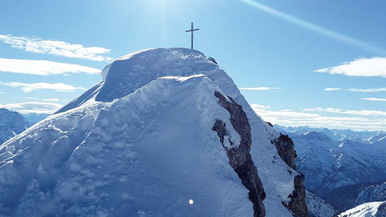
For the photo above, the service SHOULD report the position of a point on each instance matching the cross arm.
(192, 30)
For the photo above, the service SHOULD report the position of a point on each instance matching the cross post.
(191, 30)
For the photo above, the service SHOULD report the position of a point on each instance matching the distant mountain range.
(33, 118)
(344, 167)
(11, 124)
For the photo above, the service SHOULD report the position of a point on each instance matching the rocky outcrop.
(285, 148)
(297, 205)
(239, 154)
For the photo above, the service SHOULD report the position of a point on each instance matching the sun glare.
(313, 27)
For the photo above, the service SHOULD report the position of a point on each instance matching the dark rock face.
(239, 156)
(212, 60)
(285, 148)
(297, 205)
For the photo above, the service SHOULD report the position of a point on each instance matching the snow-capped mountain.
(330, 164)
(166, 133)
(336, 134)
(344, 173)
(373, 209)
(11, 124)
(33, 118)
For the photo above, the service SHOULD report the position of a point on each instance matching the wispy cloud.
(375, 99)
(2, 93)
(59, 87)
(43, 67)
(33, 107)
(314, 118)
(371, 90)
(57, 48)
(333, 89)
(373, 67)
(347, 112)
(51, 100)
(259, 88)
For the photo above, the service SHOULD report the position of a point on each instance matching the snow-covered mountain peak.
(163, 127)
(128, 73)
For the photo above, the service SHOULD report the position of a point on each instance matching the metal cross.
(191, 31)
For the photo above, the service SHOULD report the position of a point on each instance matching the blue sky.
(51, 52)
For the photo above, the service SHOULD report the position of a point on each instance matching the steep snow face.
(143, 154)
(11, 124)
(373, 209)
(141, 142)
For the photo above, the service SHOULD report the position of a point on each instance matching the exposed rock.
(239, 156)
(298, 205)
(285, 148)
(212, 60)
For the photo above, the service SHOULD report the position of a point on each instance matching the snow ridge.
(140, 142)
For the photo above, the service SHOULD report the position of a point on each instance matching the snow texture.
(373, 209)
(140, 143)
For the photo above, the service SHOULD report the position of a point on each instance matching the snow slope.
(373, 209)
(141, 143)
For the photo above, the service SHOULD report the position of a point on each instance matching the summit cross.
(191, 30)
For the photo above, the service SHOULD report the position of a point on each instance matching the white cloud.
(347, 112)
(371, 90)
(57, 48)
(259, 88)
(375, 99)
(333, 89)
(339, 119)
(43, 67)
(373, 67)
(33, 107)
(51, 100)
(59, 87)
(2, 93)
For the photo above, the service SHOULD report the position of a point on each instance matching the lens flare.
(315, 28)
